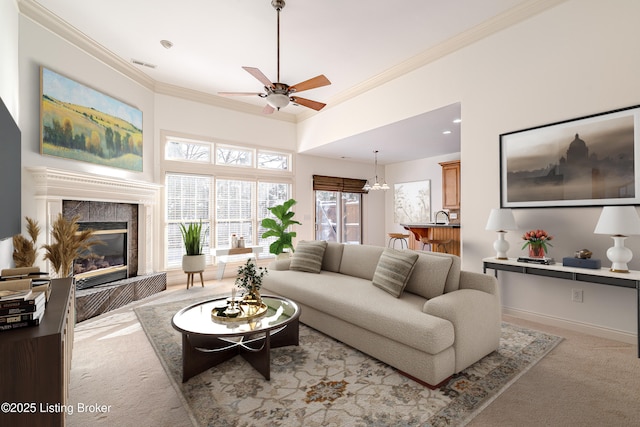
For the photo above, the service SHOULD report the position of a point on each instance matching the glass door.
(339, 217)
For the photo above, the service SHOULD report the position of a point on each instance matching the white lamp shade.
(501, 220)
(618, 220)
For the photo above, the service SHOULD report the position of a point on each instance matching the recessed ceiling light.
(457, 120)
(166, 44)
(446, 132)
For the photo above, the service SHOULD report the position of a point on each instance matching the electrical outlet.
(576, 295)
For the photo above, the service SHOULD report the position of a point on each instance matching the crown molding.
(40, 15)
(219, 101)
(492, 26)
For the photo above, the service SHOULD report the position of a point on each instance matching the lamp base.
(501, 246)
(619, 255)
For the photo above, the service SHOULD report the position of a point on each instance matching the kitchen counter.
(421, 233)
(430, 225)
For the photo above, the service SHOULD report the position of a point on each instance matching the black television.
(10, 175)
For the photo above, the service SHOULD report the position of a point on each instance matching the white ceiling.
(353, 43)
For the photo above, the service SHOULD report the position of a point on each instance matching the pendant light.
(376, 185)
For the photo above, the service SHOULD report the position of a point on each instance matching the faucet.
(446, 215)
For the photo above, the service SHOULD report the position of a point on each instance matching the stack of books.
(21, 309)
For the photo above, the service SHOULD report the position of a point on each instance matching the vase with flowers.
(538, 242)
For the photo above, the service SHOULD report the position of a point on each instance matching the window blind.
(344, 185)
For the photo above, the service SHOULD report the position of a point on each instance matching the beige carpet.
(583, 381)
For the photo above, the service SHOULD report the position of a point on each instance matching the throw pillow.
(393, 270)
(308, 256)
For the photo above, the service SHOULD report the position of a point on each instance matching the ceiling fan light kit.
(278, 95)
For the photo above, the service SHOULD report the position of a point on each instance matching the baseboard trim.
(572, 325)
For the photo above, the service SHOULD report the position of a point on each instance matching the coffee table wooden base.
(200, 353)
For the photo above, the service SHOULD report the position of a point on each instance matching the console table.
(601, 276)
(36, 363)
(225, 255)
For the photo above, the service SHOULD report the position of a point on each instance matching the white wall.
(9, 56)
(572, 60)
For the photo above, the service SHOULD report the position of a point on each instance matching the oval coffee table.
(207, 341)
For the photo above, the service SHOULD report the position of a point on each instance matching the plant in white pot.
(194, 260)
(279, 227)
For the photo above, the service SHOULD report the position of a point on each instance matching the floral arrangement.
(537, 238)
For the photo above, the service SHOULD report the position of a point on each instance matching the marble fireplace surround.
(53, 186)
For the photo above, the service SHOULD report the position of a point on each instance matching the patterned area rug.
(324, 382)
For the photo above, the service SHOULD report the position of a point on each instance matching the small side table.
(190, 278)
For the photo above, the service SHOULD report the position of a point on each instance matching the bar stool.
(402, 238)
(434, 244)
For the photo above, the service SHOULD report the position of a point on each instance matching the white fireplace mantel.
(52, 186)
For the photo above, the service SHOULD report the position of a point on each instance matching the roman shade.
(333, 183)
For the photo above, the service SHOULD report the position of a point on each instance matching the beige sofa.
(443, 321)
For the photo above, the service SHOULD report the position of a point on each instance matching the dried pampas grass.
(68, 244)
(25, 251)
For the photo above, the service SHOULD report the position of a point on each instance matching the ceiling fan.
(278, 95)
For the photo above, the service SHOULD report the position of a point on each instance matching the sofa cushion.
(308, 256)
(393, 271)
(332, 257)
(429, 275)
(360, 260)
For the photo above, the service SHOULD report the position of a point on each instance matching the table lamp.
(501, 220)
(619, 222)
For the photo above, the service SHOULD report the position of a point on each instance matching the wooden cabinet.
(451, 185)
(36, 362)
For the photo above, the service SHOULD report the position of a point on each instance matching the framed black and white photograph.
(588, 161)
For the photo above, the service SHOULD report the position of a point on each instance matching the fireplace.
(106, 261)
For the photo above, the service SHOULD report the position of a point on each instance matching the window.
(188, 198)
(234, 211)
(186, 150)
(338, 209)
(236, 156)
(275, 161)
(246, 181)
(338, 217)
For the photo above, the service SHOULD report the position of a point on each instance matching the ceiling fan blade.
(313, 83)
(258, 75)
(239, 93)
(268, 109)
(315, 105)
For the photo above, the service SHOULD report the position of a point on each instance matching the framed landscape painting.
(589, 161)
(80, 123)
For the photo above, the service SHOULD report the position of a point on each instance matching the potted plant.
(194, 260)
(250, 280)
(278, 227)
